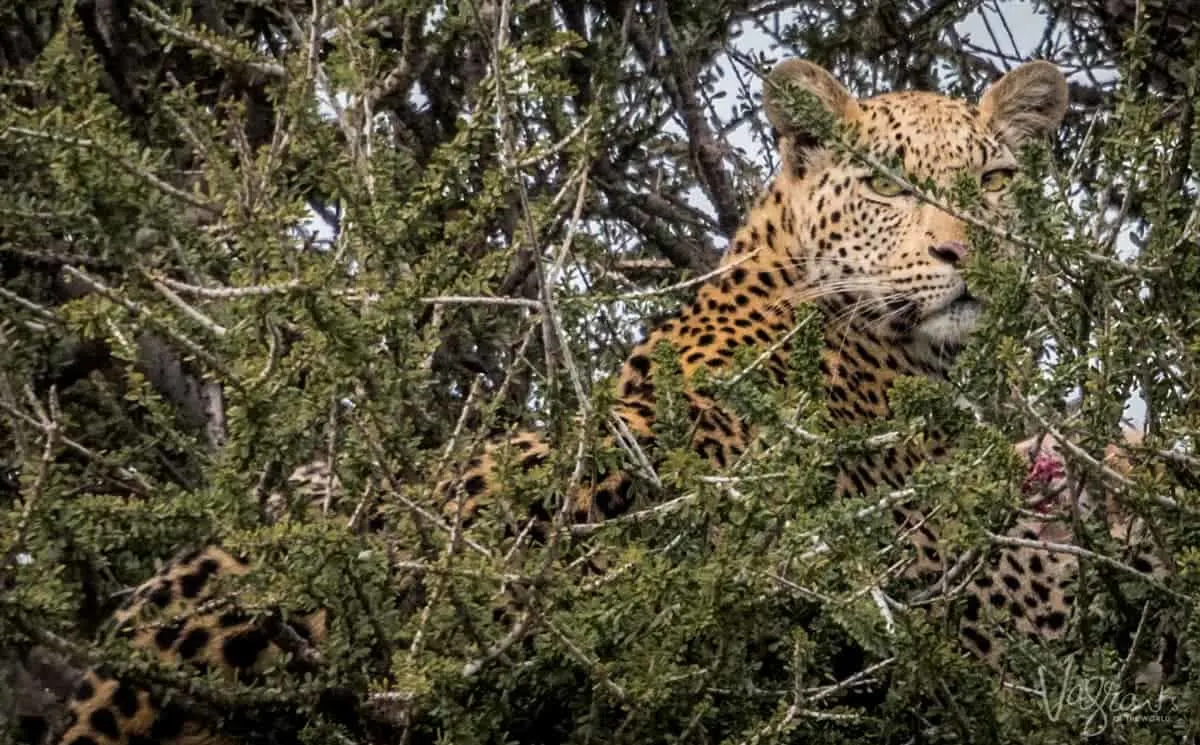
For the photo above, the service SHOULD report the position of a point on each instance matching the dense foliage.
(238, 235)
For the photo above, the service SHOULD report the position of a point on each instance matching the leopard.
(883, 269)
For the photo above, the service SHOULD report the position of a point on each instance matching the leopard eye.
(884, 186)
(998, 179)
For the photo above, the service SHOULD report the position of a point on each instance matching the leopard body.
(882, 268)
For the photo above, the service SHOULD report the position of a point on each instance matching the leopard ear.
(806, 76)
(1028, 102)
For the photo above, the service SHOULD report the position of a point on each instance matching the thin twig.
(519, 302)
(140, 311)
(164, 24)
(189, 310)
(133, 480)
(1087, 458)
(224, 293)
(50, 430)
(130, 168)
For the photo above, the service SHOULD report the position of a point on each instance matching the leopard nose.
(950, 252)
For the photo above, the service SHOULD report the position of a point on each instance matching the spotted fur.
(881, 266)
(1031, 592)
(181, 615)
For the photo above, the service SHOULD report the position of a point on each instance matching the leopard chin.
(951, 325)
